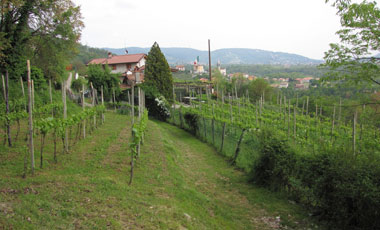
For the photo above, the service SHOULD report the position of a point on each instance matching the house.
(275, 85)
(223, 71)
(130, 66)
(180, 67)
(307, 79)
(198, 69)
(300, 86)
(251, 78)
(283, 85)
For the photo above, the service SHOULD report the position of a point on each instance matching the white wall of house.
(141, 62)
(122, 68)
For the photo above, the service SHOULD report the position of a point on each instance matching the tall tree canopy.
(45, 31)
(157, 73)
(353, 59)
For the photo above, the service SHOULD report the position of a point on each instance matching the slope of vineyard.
(179, 183)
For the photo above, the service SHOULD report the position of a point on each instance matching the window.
(113, 67)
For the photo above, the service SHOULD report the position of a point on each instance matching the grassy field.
(179, 183)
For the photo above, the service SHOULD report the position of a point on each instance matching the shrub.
(275, 163)
(158, 107)
(340, 188)
(192, 121)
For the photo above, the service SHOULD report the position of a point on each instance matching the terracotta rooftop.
(128, 58)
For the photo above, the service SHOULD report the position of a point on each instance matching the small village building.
(130, 67)
(283, 85)
(180, 67)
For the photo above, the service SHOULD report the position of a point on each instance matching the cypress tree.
(158, 76)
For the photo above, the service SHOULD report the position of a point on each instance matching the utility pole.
(209, 60)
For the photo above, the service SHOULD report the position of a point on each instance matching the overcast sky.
(304, 27)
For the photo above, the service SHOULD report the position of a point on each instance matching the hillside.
(179, 183)
(226, 56)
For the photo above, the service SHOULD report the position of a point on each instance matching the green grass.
(179, 183)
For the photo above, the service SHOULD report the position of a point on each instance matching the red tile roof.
(128, 58)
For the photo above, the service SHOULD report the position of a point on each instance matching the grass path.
(179, 183)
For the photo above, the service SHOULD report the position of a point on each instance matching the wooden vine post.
(93, 102)
(23, 92)
(354, 131)
(294, 121)
(173, 110)
(223, 135)
(238, 147)
(333, 124)
(32, 94)
(289, 118)
(31, 144)
(133, 103)
(285, 110)
(7, 108)
(51, 98)
(213, 124)
(139, 118)
(84, 121)
(66, 141)
(340, 111)
(114, 99)
(2, 77)
(101, 91)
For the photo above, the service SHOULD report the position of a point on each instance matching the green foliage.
(37, 76)
(44, 31)
(158, 107)
(192, 120)
(258, 87)
(78, 83)
(276, 161)
(86, 54)
(351, 60)
(99, 76)
(315, 166)
(138, 130)
(157, 73)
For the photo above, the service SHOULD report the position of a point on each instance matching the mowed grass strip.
(179, 183)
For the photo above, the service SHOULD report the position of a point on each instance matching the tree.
(103, 77)
(158, 76)
(45, 31)
(353, 59)
(259, 87)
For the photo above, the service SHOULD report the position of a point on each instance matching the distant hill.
(226, 56)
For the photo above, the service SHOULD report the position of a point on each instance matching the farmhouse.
(130, 66)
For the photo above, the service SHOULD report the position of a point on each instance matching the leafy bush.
(340, 188)
(276, 161)
(158, 107)
(191, 120)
